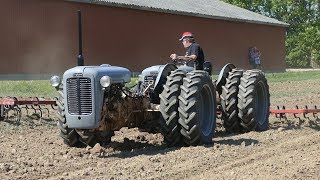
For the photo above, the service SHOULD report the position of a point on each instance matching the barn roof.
(213, 9)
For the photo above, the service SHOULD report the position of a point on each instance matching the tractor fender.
(162, 77)
(223, 75)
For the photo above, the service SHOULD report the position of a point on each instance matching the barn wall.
(40, 37)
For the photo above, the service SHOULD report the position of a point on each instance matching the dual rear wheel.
(245, 101)
(188, 108)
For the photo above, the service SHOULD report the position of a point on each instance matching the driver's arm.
(188, 58)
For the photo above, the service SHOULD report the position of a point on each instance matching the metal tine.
(26, 108)
(18, 116)
(295, 114)
(47, 111)
(44, 107)
(53, 106)
(315, 114)
(305, 114)
(283, 115)
(278, 116)
(38, 109)
(6, 110)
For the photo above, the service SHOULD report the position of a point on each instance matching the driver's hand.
(174, 56)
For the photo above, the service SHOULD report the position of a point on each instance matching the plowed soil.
(288, 150)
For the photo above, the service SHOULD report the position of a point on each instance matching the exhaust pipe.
(80, 56)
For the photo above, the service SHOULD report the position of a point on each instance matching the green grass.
(297, 83)
(293, 76)
(44, 89)
(133, 82)
(27, 89)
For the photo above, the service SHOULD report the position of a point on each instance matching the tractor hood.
(117, 74)
(152, 71)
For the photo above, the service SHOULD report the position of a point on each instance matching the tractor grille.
(79, 96)
(150, 80)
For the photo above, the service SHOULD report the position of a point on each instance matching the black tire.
(169, 104)
(70, 136)
(197, 108)
(229, 101)
(3, 109)
(254, 101)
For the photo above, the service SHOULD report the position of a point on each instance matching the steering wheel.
(180, 62)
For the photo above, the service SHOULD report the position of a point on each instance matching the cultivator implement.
(306, 112)
(35, 104)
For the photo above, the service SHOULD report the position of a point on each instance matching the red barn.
(39, 37)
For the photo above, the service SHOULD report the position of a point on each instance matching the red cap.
(186, 35)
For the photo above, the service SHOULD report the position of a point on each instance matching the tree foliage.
(303, 35)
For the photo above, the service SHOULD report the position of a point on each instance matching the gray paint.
(117, 74)
(213, 9)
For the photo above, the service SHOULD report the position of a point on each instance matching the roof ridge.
(213, 9)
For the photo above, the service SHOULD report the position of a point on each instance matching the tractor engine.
(121, 108)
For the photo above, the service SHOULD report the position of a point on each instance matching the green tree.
(303, 41)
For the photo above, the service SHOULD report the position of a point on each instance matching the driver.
(194, 51)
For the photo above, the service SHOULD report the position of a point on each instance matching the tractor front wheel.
(70, 136)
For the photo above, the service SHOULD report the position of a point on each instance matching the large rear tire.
(70, 136)
(2, 118)
(229, 101)
(254, 101)
(197, 108)
(169, 104)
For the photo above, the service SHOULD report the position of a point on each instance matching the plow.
(16, 105)
(281, 112)
(42, 106)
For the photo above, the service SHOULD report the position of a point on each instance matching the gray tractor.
(178, 101)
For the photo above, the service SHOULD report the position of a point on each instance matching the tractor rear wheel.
(169, 104)
(70, 136)
(254, 101)
(229, 101)
(197, 108)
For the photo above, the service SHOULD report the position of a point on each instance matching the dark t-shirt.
(195, 49)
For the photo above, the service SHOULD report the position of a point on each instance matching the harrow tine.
(47, 111)
(6, 109)
(18, 116)
(283, 115)
(277, 115)
(315, 114)
(37, 109)
(54, 105)
(295, 114)
(26, 108)
(305, 114)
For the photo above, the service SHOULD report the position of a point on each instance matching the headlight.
(105, 81)
(55, 81)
